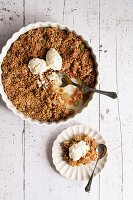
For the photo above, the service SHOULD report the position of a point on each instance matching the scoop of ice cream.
(37, 66)
(78, 150)
(53, 59)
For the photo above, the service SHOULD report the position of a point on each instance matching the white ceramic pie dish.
(3, 54)
(83, 172)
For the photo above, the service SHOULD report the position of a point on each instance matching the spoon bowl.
(102, 149)
(65, 80)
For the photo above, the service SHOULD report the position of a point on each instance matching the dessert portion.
(39, 66)
(30, 78)
(79, 150)
(54, 61)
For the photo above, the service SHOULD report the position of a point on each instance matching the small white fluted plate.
(83, 172)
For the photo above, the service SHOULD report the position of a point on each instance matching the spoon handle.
(88, 186)
(112, 95)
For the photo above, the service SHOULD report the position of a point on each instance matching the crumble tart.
(21, 86)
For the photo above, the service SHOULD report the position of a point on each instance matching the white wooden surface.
(26, 169)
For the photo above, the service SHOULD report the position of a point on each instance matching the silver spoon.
(66, 81)
(102, 149)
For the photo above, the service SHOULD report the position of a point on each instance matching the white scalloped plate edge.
(3, 54)
(83, 172)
